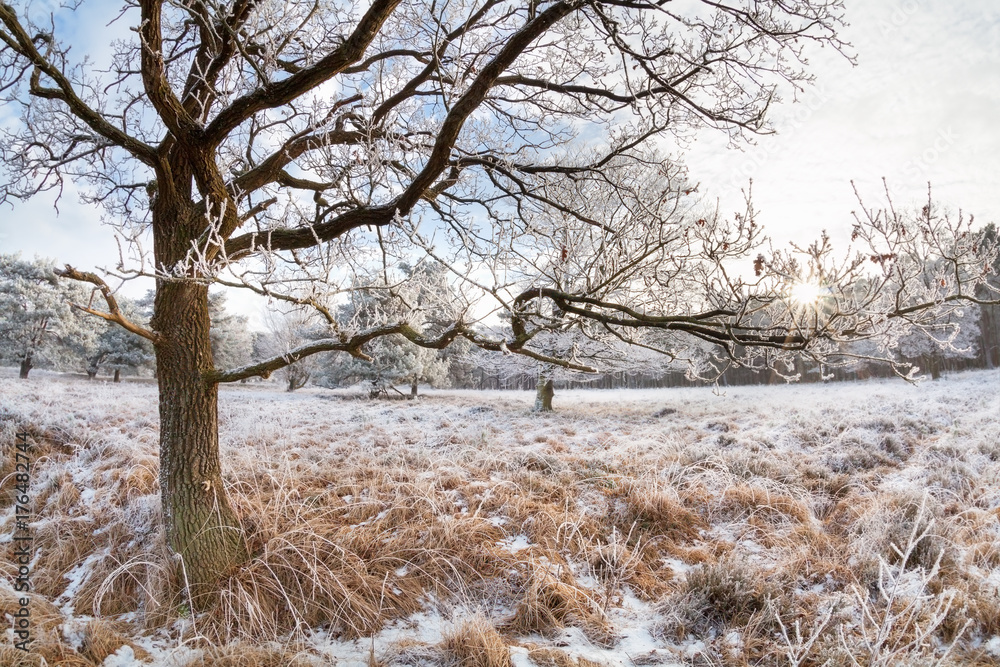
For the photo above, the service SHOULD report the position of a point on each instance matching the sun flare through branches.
(805, 293)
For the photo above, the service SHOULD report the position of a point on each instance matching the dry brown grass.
(62, 544)
(102, 638)
(46, 649)
(408, 653)
(145, 582)
(659, 511)
(715, 598)
(358, 518)
(551, 600)
(43, 612)
(475, 643)
(305, 577)
(42, 654)
(552, 657)
(352, 571)
(758, 502)
(12, 657)
(238, 654)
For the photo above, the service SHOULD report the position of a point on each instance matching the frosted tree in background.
(37, 325)
(304, 151)
(393, 362)
(119, 348)
(230, 336)
(422, 297)
(956, 336)
(286, 332)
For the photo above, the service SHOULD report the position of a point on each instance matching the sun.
(805, 293)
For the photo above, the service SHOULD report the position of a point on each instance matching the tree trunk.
(118, 375)
(36, 340)
(94, 365)
(933, 364)
(413, 389)
(26, 366)
(200, 523)
(544, 391)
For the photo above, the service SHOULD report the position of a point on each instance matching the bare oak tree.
(289, 147)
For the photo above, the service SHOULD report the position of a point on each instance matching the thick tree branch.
(270, 169)
(354, 345)
(154, 76)
(706, 326)
(351, 344)
(115, 315)
(307, 237)
(437, 161)
(22, 44)
(286, 90)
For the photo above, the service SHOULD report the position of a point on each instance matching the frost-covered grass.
(840, 524)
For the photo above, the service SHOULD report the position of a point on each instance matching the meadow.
(839, 524)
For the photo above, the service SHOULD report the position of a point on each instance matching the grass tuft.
(550, 601)
(475, 643)
(102, 638)
(717, 597)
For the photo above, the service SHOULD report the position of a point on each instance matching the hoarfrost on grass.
(807, 484)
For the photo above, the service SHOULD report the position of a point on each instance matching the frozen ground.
(765, 525)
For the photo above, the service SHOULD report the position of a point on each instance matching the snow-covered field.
(798, 524)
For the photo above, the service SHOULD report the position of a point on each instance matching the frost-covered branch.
(115, 314)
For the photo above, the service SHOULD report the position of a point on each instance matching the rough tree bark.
(201, 525)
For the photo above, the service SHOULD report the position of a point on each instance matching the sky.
(919, 106)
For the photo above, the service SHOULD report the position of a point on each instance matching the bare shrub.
(898, 622)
